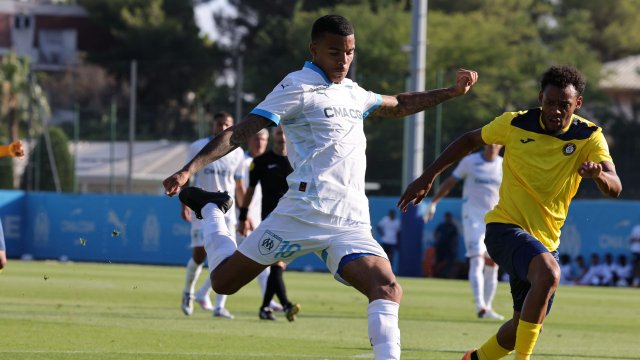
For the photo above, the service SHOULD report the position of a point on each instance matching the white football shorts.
(473, 230)
(283, 237)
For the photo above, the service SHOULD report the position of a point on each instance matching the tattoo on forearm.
(244, 130)
(411, 103)
(226, 142)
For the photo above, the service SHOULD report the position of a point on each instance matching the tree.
(43, 178)
(617, 23)
(172, 58)
(6, 173)
(16, 92)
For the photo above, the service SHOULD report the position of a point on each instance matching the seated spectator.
(597, 275)
(566, 270)
(634, 240)
(579, 268)
(622, 272)
(608, 267)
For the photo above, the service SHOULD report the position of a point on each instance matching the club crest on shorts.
(569, 149)
(268, 243)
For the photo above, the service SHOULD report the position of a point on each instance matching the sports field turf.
(51, 310)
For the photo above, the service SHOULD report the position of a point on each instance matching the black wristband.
(243, 214)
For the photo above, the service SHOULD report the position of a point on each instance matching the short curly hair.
(333, 24)
(563, 76)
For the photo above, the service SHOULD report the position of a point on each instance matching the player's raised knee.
(223, 285)
(391, 291)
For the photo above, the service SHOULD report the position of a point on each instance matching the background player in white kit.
(482, 175)
(222, 176)
(325, 210)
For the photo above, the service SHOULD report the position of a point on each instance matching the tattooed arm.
(219, 146)
(410, 103)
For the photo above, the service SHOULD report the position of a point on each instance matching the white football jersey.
(220, 175)
(323, 123)
(482, 178)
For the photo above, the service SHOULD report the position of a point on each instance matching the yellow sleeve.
(598, 148)
(5, 150)
(496, 131)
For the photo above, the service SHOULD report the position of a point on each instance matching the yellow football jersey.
(540, 170)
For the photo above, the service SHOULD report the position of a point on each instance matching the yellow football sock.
(492, 350)
(526, 337)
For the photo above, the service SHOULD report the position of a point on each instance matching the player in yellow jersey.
(14, 149)
(548, 150)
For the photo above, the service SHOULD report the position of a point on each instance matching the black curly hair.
(563, 76)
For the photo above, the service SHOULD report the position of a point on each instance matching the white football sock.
(220, 301)
(384, 333)
(262, 280)
(193, 271)
(490, 284)
(476, 279)
(205, 289)
(218, 241)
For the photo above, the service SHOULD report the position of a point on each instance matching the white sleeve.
(369, 99)
(285, 101)
(462, 170)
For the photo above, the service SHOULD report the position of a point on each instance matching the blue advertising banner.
(148, 229)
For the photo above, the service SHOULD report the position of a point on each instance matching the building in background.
(97, 171)
(621, 82)
(50, 33)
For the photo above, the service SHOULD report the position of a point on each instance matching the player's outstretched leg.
(372, 276)
(211, 207)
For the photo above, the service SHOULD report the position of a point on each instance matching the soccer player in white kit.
(325, 210)
(482, 176)
(225, 175)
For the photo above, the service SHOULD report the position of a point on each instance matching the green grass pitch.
(51, 310)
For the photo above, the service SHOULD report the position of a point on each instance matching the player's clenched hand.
(589, 169)
(16, 149)
(173, 183)
(415, 192)
(465, 80)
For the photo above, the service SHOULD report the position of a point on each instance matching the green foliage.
(617, 25)
(6, 173)
(172, 58)
(16, 92)
(42, 178)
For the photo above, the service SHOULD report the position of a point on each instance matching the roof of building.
(622, 74)
(153, 161)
